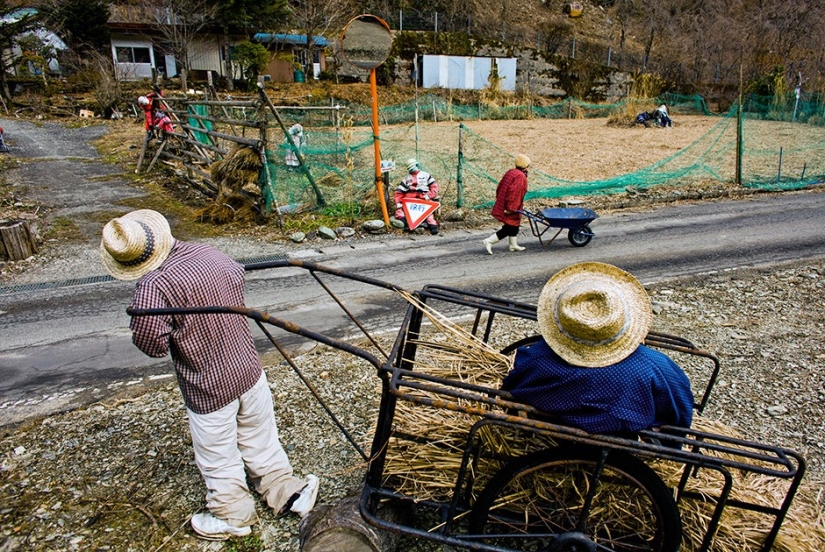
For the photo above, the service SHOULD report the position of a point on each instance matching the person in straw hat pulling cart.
(591, 370)
(227, 398)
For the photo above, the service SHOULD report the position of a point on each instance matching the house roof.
(289, 39)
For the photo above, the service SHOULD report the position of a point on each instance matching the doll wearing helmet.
(416, 184)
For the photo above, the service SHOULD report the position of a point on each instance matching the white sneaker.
(212, 528)
(306, 498)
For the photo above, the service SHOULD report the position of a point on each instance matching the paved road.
(71, 344)
(60, 342)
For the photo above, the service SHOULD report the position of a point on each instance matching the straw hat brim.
(634, 297)
(163, 242)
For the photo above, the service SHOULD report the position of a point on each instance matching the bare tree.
(315, 18)
(179, 22)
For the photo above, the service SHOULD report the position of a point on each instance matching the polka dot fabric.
(644, 390)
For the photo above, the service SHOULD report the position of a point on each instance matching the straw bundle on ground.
(236, 177)
(426, 465)
(239, 169)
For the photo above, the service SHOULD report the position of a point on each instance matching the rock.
(345, 232)
(456, 216)
(298, 237)
(396, 223)
(327, 233)
(374, 226)
(777, 410)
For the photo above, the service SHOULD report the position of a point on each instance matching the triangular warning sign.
(416, 210)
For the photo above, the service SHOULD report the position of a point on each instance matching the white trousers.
(242, 434)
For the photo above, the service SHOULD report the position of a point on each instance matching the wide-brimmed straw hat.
(594, 314)
(136, 243)
(522, 161)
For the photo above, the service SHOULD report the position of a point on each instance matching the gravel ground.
(119, 475)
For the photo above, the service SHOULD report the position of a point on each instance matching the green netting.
(197, 109)
(782, 145)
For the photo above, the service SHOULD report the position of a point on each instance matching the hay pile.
(802, 531)
(426, 465)
(236, 177)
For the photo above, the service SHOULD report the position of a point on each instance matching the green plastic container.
(298, 75)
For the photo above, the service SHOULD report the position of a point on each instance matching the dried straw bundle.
(427, 467)
(231, 206)
(236, 177)
(238, 169)
(802, 531)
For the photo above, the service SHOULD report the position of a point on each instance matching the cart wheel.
(580, 237)
(538, 502)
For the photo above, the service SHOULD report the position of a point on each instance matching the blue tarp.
(289, 38)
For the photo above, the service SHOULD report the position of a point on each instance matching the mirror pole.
(379, 180)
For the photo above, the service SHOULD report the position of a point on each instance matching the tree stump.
(17, 241)
(340, 528)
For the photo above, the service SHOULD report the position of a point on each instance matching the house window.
(132, 54)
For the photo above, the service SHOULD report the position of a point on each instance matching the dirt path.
(68, 178)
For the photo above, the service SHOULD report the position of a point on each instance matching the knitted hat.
(522, 161)
(594, 314)
(136, 243)
(412, 165)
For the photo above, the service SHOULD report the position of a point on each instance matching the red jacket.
(510, 197)
(148, 110)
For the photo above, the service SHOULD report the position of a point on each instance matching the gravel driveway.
(119, 475)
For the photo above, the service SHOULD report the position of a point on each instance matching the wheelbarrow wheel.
(540, 502)
(579, 237)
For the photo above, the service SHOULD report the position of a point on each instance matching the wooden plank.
(238, 122)
(229, 137)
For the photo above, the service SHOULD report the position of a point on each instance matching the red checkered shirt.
(214, 354)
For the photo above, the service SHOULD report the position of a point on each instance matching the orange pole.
(379, 179)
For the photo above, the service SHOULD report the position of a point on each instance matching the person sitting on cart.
(416, 184)
(591, 370)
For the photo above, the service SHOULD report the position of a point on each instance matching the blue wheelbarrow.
(576, 220)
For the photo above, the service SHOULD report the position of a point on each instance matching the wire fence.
(779, 144)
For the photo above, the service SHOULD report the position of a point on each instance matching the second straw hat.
(594, 314)
(136, 243)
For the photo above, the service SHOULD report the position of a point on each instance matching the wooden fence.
(207, 129)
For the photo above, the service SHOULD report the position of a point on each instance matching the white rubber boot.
(488, 243)
(514, 246)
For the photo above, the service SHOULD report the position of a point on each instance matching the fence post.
(779, 171)
(459, 174)
(609, 53)
(573, 52)
(739, 146)
(400, 20)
